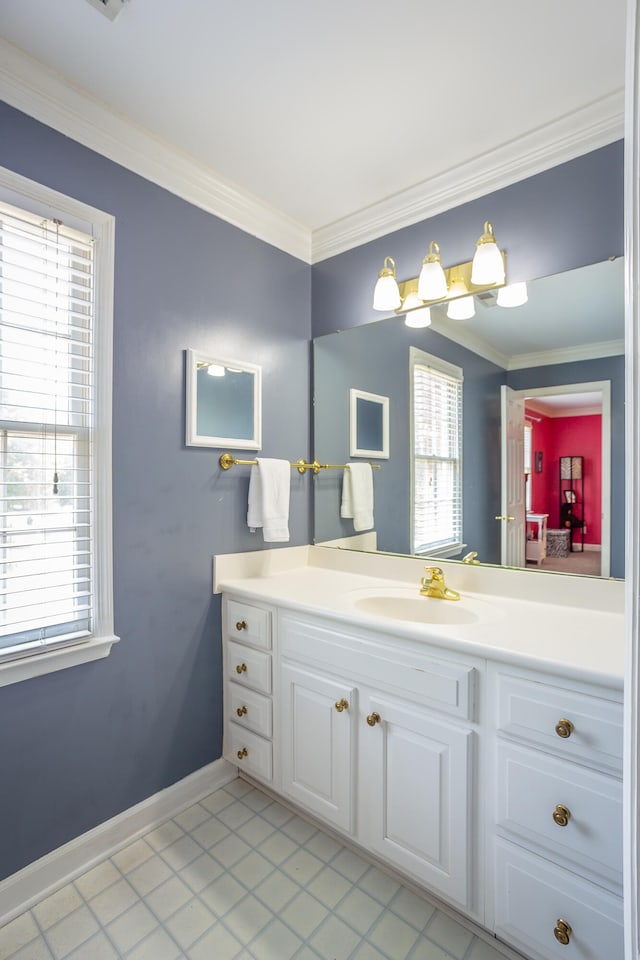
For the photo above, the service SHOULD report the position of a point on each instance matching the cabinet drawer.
(249, 667)
(532, 895)
(249, 752)
(249, 709)
(248, 623)
(532, 710)
(531, 785)
(447, 686)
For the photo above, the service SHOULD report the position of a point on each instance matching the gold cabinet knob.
(242, 711)
(342, 705)
(241, 668)
(241, 625)
(374, 718)
(562, 932)
(561, 815)
(564, 728)
(242, 753)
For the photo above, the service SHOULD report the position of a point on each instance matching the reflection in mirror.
(569, 333)
(223, 403)
(368, 425)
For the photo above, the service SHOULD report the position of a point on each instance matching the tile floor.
(237, 877)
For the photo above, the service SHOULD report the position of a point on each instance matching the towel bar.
(226, 461)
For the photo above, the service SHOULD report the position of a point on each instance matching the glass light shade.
(432, 282)
(513, 295)
(461, 309)
(418, 318)
(386, 295)
(487, 266)
(215, 370)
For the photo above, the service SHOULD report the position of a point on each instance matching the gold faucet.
(434, 585)
(471, 557)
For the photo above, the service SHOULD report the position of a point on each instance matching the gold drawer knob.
(564, 728)
(374, 718)
(242, 753)
(342, 705)
(561, 815)
(562, 932)
(242, 711)
(241, 668)
(241, 625)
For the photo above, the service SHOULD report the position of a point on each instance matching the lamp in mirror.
(463, 306)
(416, 313)
(513, 295)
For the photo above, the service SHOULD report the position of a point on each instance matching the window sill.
(442, 553)
(13, 671)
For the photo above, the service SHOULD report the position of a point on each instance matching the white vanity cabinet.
(318, 718)
(377, 738)
(496, 787)
(558, 817)
(247, 696)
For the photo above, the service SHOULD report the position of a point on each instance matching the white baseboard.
(43, 877)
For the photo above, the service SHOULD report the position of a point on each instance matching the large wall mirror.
(561, 355)
(223, 402)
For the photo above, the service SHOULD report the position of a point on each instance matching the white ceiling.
(340, 116)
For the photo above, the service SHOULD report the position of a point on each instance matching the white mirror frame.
(354, 450)
(195, 359)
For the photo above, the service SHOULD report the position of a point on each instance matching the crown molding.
(566, 138)
(460, 333)
(47, 96)
(587, 351)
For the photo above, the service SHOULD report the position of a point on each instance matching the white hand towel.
(269, 486)
(357, 495)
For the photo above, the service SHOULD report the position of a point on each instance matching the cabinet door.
(317, 723)
(415, 796)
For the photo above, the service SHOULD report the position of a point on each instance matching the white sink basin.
(408, 605)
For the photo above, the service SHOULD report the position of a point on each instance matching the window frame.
(36, 198)
(420, 358)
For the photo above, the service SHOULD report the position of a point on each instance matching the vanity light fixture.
(432, 282)
(462, 307)
(417, 314)
(513, 295)
(386, 295)
(436, 284)
(487, 265)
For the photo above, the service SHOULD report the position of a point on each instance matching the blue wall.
(81, 745)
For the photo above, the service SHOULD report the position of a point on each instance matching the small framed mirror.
(368, 425)
(223, 403)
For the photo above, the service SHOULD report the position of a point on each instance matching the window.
(55, 459)
(436, 406)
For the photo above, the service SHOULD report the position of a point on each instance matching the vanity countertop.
(578, 630)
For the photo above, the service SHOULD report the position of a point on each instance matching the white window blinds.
(437, 454)
(46, 419)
